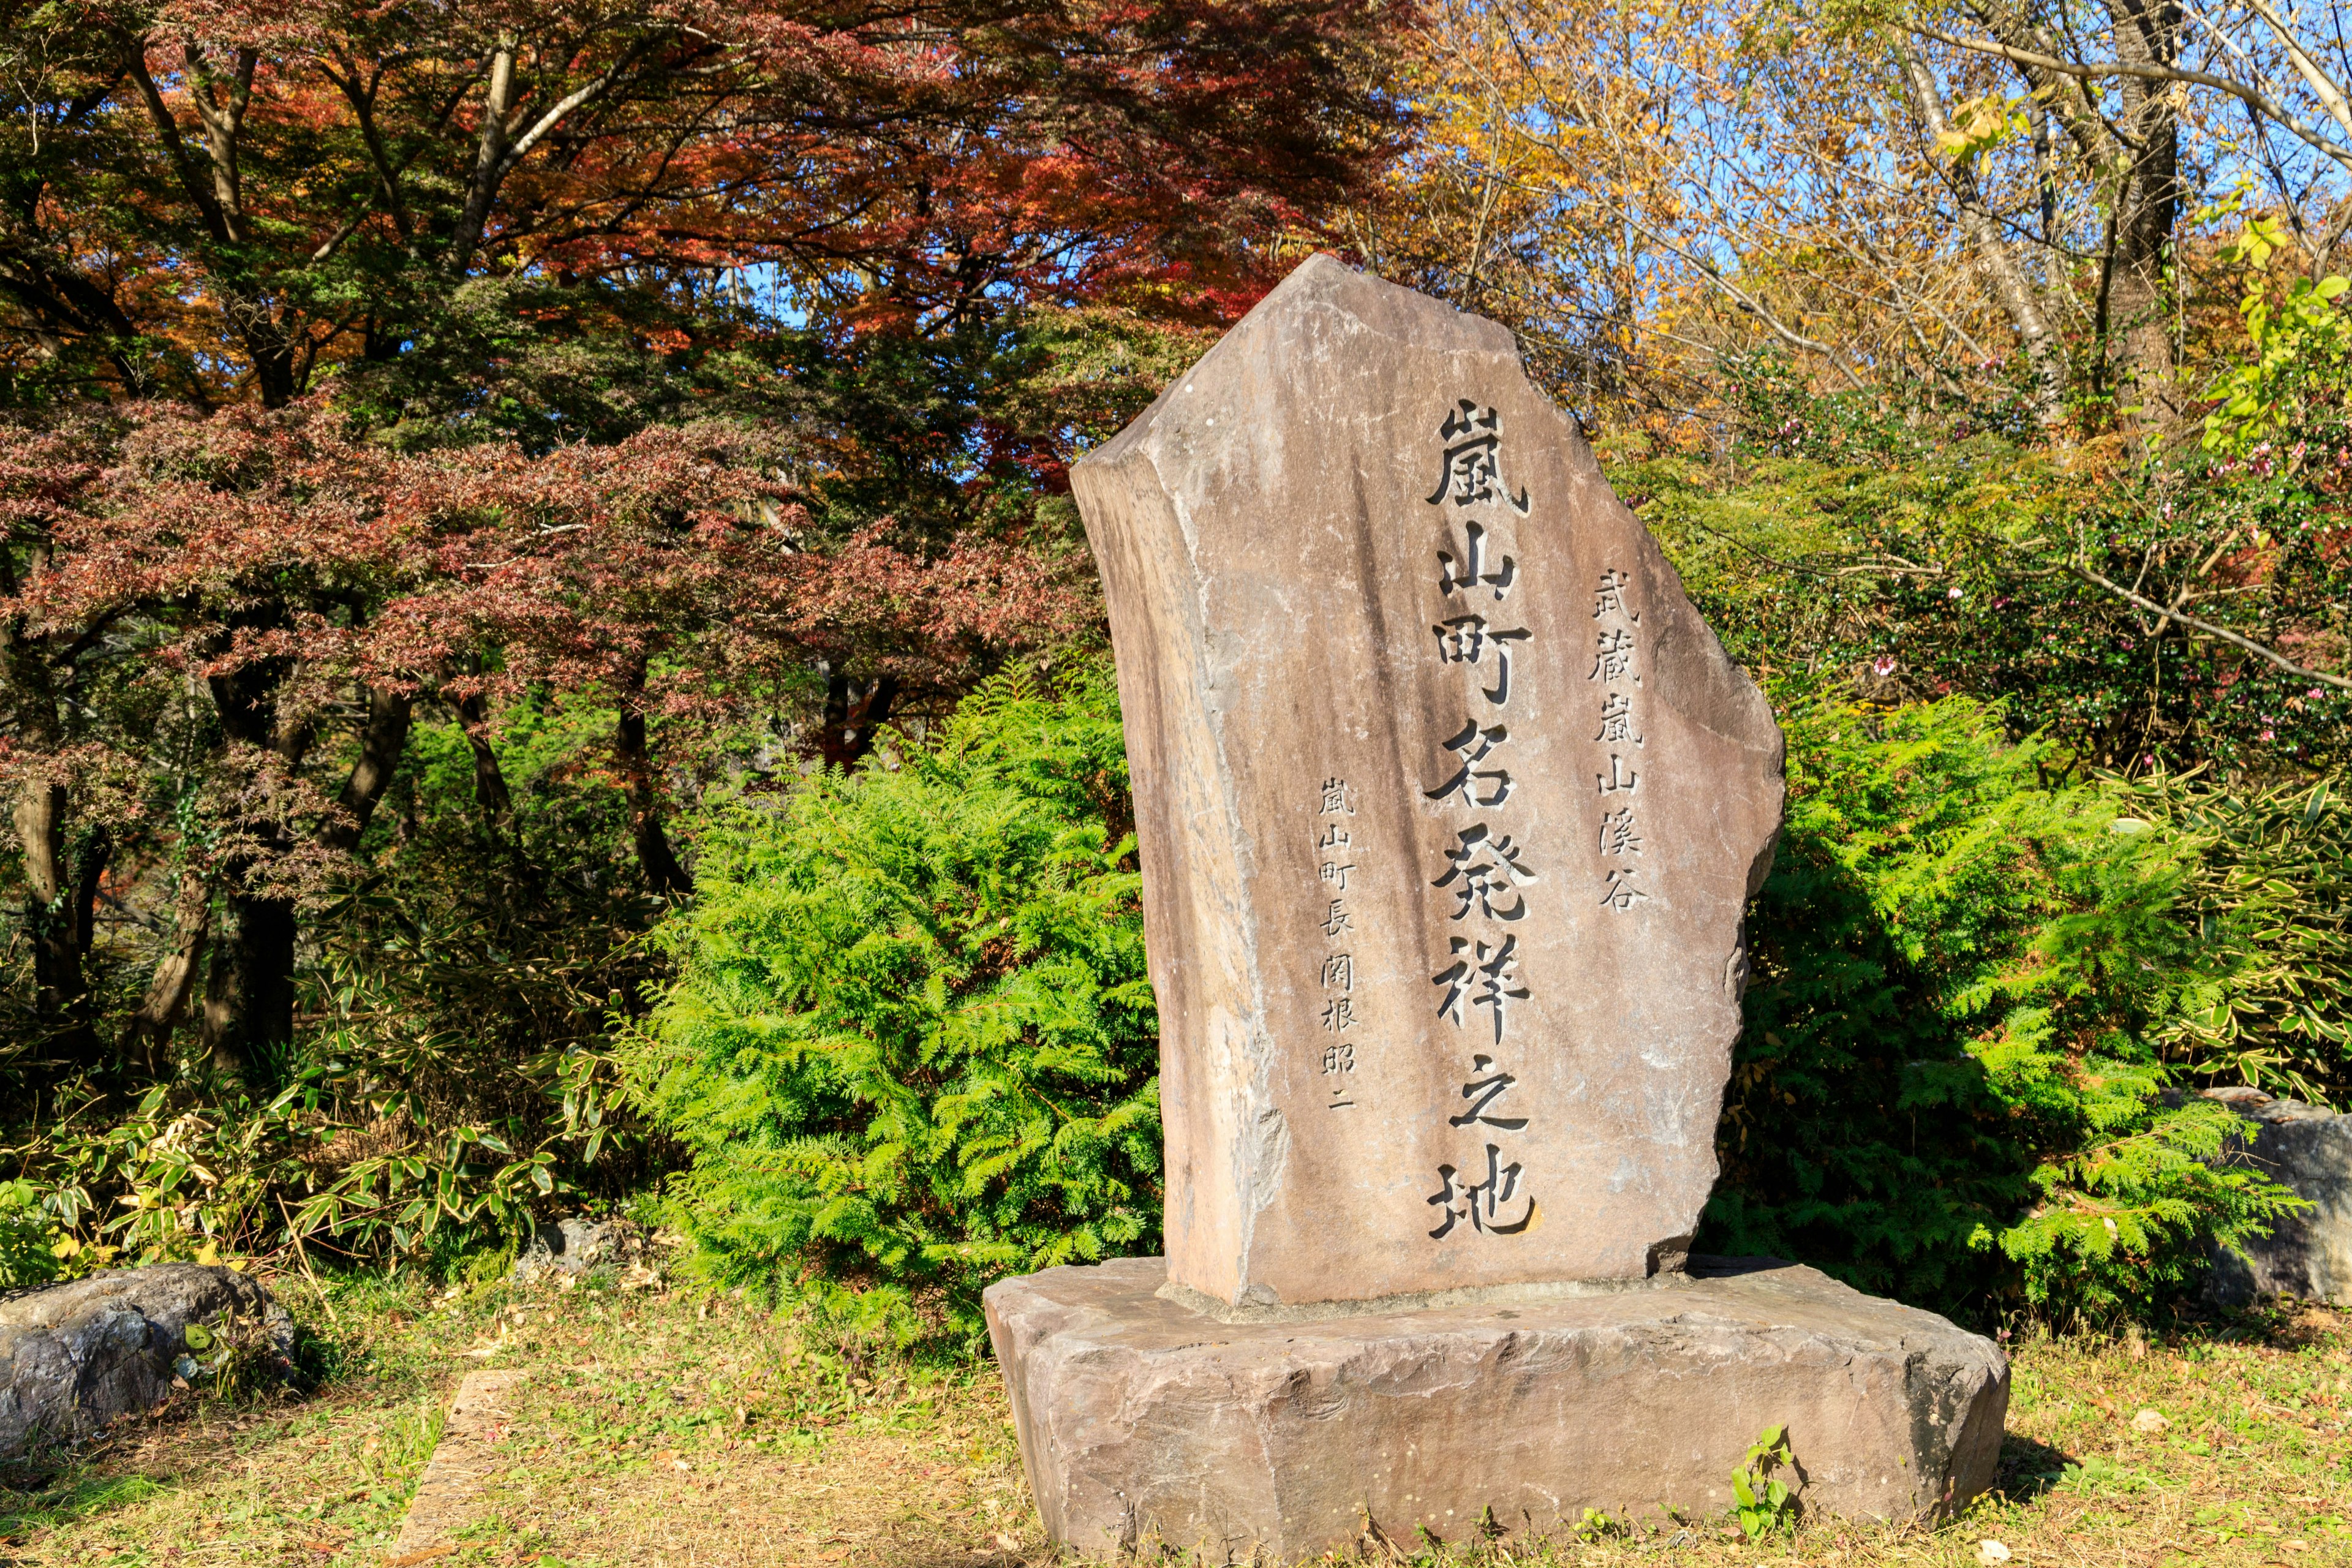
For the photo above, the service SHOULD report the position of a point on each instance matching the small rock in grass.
(568, 1249)
(2149, 1421)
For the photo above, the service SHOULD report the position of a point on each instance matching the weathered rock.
(447, 1494)
(2307, 1255)
(1141, 1419)
(572, 1245)
(76, 1355)
(1449, 806)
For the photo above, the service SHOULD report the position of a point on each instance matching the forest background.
(548, 661)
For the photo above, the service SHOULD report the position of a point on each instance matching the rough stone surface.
(447, 1494)
(76, 1355)
(1449, 805)
(1142, 1420)
(573, 1245)
(2307, 1255)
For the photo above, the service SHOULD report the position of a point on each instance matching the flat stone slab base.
(1142, 1419)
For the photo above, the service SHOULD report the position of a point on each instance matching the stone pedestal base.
(1142, 1418)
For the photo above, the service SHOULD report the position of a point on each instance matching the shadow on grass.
(2274, 1324)
(67, 1498)
(2028, 1469)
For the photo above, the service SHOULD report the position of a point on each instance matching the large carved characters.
(1449, 806)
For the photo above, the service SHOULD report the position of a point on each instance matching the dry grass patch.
(655, 1429)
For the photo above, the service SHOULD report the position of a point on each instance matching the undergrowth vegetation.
(1974, 999)
(911, 1049)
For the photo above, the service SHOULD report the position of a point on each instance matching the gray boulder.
(570, 1246)
(74, 1356)
(2307, 1255)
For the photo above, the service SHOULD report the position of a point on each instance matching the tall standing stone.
(1449, 806)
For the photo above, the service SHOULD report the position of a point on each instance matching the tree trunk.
(381, 740)
(249, 1008)
(2004, 279)
(2147, 207)
(254, 973)
(490, 791)
(61, 918)
(659, 862)
(149, 1032)
(852, 718)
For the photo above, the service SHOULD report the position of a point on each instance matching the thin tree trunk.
(851, 722)
(381, 740)
(59, 918)
(254, 972)
(2004, 279)
(249, 1008)
(2147, 207)
(659, 862)
(490, 791)
(146, 1036)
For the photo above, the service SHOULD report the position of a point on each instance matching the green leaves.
(2300, 350)
(1970, 996)
(911, 1050)
(1765, 1504)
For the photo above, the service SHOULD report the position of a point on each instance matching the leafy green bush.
(29, 1236)
(1951, 1082)
(339, 1161)
(912, 1046)
(910, 1052)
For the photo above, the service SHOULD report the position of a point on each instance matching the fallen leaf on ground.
(2149, 1420)
(1991, 1552)
(1005, 1542)
(409, 1559)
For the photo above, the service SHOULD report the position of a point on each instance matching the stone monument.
(1449, 805)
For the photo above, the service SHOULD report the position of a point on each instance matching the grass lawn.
(657, 1429)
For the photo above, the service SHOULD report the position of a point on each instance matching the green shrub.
(29, 1236)
(1950, 1087)
(912, 1046)
(911, 1049)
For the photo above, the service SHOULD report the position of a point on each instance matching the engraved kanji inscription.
(1481, 1202)
(1617, 834)
(1471, 471)
(1617, 720)
(1475, 785)
(1612, 657)
(1472, 570)
(1483, 974)
(1485, 872)
(1610, 599)
(1482, 1093)
(1620, 893)
(1469, 640)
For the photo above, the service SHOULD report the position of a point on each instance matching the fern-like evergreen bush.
(912, 1048)
(1951, 1086)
